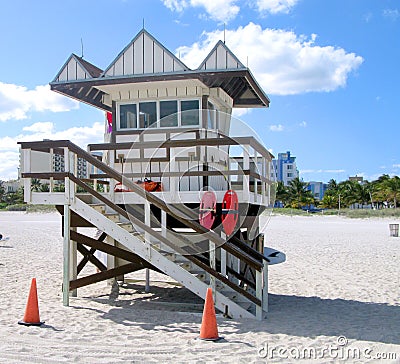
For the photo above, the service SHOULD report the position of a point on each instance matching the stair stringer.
(151, 255)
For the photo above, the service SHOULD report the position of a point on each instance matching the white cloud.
(392, 14)
(9, 148)
(219, 10)
(238, 112)
(275, 6)
(41, 127)
(303, 124)
(396, 165)
(368, 17)
(283, 62)
(17, 101)
(278, 127)
(175, 5)
(9, 164)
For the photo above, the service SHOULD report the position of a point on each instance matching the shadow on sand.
(289, 315)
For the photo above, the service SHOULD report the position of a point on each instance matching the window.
(290, 166)
(127, 116)
(147, 114)
(190, 112)
(168, 113)
(290, 175)
(164, 114)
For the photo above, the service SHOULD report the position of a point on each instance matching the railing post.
(67, 228)
(27, 169)
(246, 178)
(173, 185)
(111, 156)
(67, 168)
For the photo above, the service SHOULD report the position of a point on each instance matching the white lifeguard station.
(169, 189)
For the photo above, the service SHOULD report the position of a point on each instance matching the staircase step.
(138, 235)
(100, 207)
(113, 216)
(126, 225)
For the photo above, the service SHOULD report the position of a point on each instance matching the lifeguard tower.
(169, 189)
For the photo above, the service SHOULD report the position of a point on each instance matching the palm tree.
(298, 193)
(329, 201)
(281, 193)
(392, 187)
(36, 185)
(381, 190)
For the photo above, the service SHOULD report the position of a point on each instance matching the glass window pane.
(127, 116)
(168, 113)
(190, 112)
(147, 114)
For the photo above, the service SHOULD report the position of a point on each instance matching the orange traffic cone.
(209, 329)
(31, 317)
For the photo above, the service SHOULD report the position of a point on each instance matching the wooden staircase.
(139, 240)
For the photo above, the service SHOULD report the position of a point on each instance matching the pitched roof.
(144, 55)
(221, 57)
(145, 59)
(76, 68)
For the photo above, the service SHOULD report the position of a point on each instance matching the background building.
(318, 189)
(284, 168)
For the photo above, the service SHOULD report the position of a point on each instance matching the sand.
(335, 299)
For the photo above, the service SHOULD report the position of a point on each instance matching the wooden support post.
(111, 260)
(73, 263)
(265, 287)
(66, 254)
(147, 221)
(259, 294)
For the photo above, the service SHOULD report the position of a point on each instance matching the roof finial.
(81, 47)
(224, 31)
(143, 23)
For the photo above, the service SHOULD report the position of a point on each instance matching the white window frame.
(157, 124)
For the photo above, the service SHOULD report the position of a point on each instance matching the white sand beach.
(339, 285)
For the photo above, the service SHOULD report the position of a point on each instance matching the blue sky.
(330, 69)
